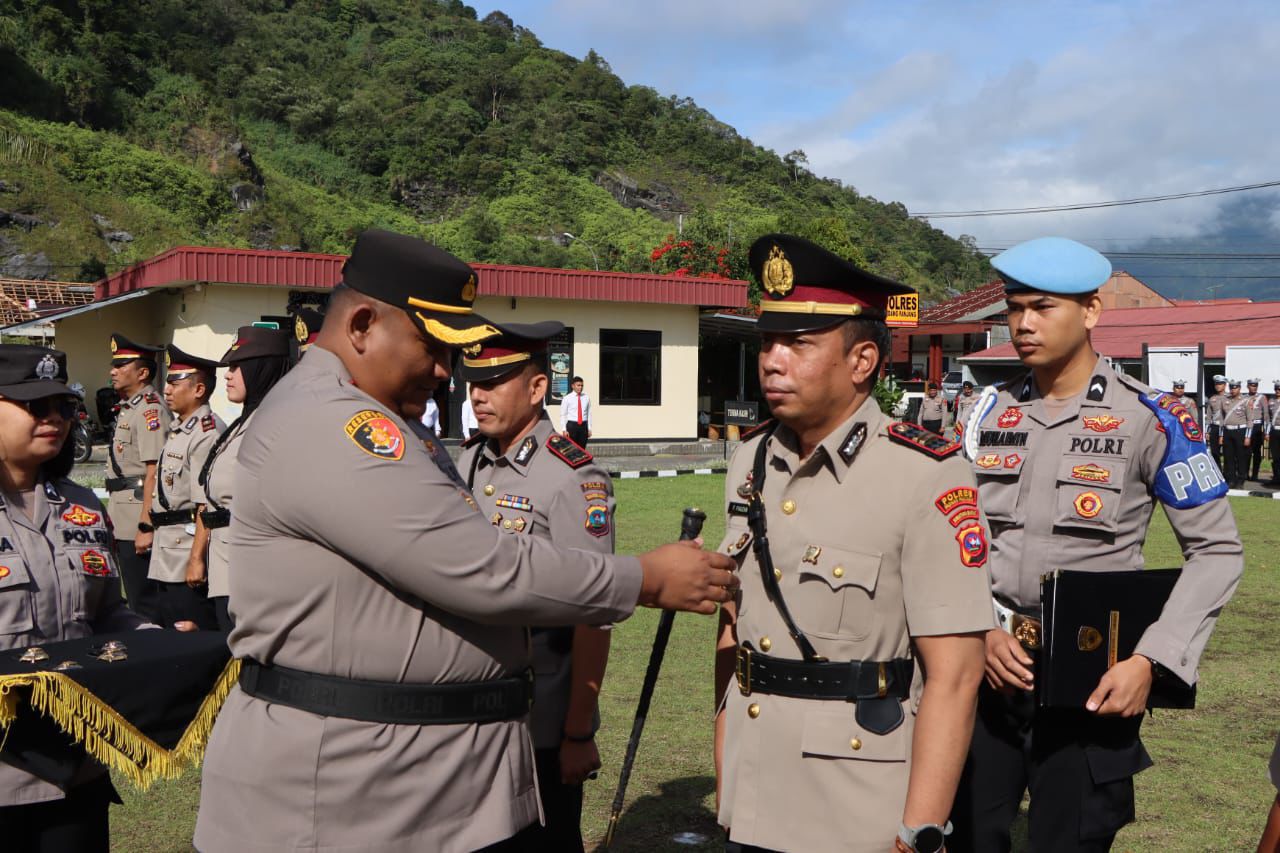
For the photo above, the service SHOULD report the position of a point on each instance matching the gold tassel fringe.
(109, 737)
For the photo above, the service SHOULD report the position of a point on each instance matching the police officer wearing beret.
(1236, 426)
(133, 454)
(1070, 459)
(257, 360)
(58, 581)
(1213, 417)
(862, 554)
(179, 543)
(531, 481)
(380, 615)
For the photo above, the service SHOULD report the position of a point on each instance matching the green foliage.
(396, 111)
(888, 394)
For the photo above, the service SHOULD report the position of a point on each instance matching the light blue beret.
(1052, 265)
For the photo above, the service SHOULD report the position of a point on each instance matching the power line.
(1011, 211)
(1176, 256)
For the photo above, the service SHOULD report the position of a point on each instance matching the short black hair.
(576, 379)
(860, 329)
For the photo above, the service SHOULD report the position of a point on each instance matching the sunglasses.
(65, 407)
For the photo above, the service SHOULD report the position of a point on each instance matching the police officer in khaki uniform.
(1070, 459)
(962, 406)
(188, 382)
(133, 455)
(1236, 427)
(1273, 434)
(1213, 417)
(1180, 394)
(257, 360)
(933, 409)
(379, 614)
(58, 581)
(531, 481)
(1259, 417)
(862, 555)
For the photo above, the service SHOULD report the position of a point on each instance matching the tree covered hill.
(128, 127)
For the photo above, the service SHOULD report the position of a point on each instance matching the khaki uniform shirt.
(871, 552)
(533, 491)
(1275, 412)
(933, 409)
(1213, 409)
(1075, 491)
(217, 490)
(1235, 412)
(359, 553)
(58, 581)
(1259, 411)
(139, 438)
(177, 483)
(964, 405)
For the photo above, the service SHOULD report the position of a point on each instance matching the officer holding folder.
(1070, 458)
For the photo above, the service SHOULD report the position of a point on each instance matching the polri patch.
(853, 442)
(919, 438)
(528, 448)
(376, 434)
(973, 545)
(81, 517)
(568, 452)
(954, 498)
(597, 522)
(94, 563)
(514, 502)
(1088, 504)
(964, 515)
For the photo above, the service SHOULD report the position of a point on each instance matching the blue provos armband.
(1188, 476)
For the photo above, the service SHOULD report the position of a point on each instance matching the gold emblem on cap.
(779, 277)
(471, 350)
(469, 290)
(300, 330)
(168, 359)
(114, 347)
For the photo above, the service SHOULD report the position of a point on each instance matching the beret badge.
(47, 368)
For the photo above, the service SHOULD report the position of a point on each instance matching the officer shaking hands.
(531, 481)
(863, 563)
(379, 613)
(1070, 459)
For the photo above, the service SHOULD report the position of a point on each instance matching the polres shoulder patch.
(376, 434)
(921, 439)
(568, 452)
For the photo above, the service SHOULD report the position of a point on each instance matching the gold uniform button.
(838, 571)
(777, 574)
(855, 744)
(765, 644)
(788, 506)
(489, 490)
(753, 710)
(506, 525)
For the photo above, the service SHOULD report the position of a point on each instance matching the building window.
(630, 367)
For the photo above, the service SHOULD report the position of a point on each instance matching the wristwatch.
(145, 527)
(928, 838)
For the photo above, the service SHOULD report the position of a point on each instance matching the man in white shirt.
(575, 414)
(470, 426)
(431, 417)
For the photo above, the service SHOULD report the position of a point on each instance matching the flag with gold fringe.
(141, 702)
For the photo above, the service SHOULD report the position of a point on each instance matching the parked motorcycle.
(86, 432)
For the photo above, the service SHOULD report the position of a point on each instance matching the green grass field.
(1207, 792)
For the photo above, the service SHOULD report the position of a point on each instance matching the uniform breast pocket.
(16, 616)
(1088, 493)
(835, 593)
(834, 734)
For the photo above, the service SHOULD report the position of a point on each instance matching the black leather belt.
(386, 702)
(847, 680)
(215, 518)
(177, 516)
(120, 484)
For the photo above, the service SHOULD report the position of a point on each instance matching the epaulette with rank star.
(474, 440)
(568, 452)
(153, 397)
(918, 438)
(757, 429)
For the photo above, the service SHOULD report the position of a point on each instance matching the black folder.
(1092, 620)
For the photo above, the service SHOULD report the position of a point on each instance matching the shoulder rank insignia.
(528, 448)
(757, 429)
(919, 438)
(207, 423)
(135, 400)
(1097, 389)
(569, 452)
(853, 442)
(474, 440)
(152, 397)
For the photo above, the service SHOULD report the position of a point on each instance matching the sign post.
(738, 413)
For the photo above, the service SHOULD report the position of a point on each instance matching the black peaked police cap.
(431, 285)
(31, 373)
(517, 344)
(257, 342)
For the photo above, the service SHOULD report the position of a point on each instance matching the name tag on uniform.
(737, 508)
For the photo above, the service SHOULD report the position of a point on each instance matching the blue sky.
(964, 105)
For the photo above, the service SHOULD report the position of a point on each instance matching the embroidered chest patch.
(1102, 423)
(81, 517)
(973, 545)
(1009, 418)
(94, 563)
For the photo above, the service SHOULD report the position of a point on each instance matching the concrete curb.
(662, 472)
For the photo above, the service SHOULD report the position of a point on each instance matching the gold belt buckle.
(742, 671)
(1026, 631)
(882, 680)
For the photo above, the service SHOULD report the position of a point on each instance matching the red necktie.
(579, 408)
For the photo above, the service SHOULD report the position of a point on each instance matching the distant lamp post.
(588, 245)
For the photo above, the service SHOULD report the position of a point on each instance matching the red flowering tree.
(691, 258)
